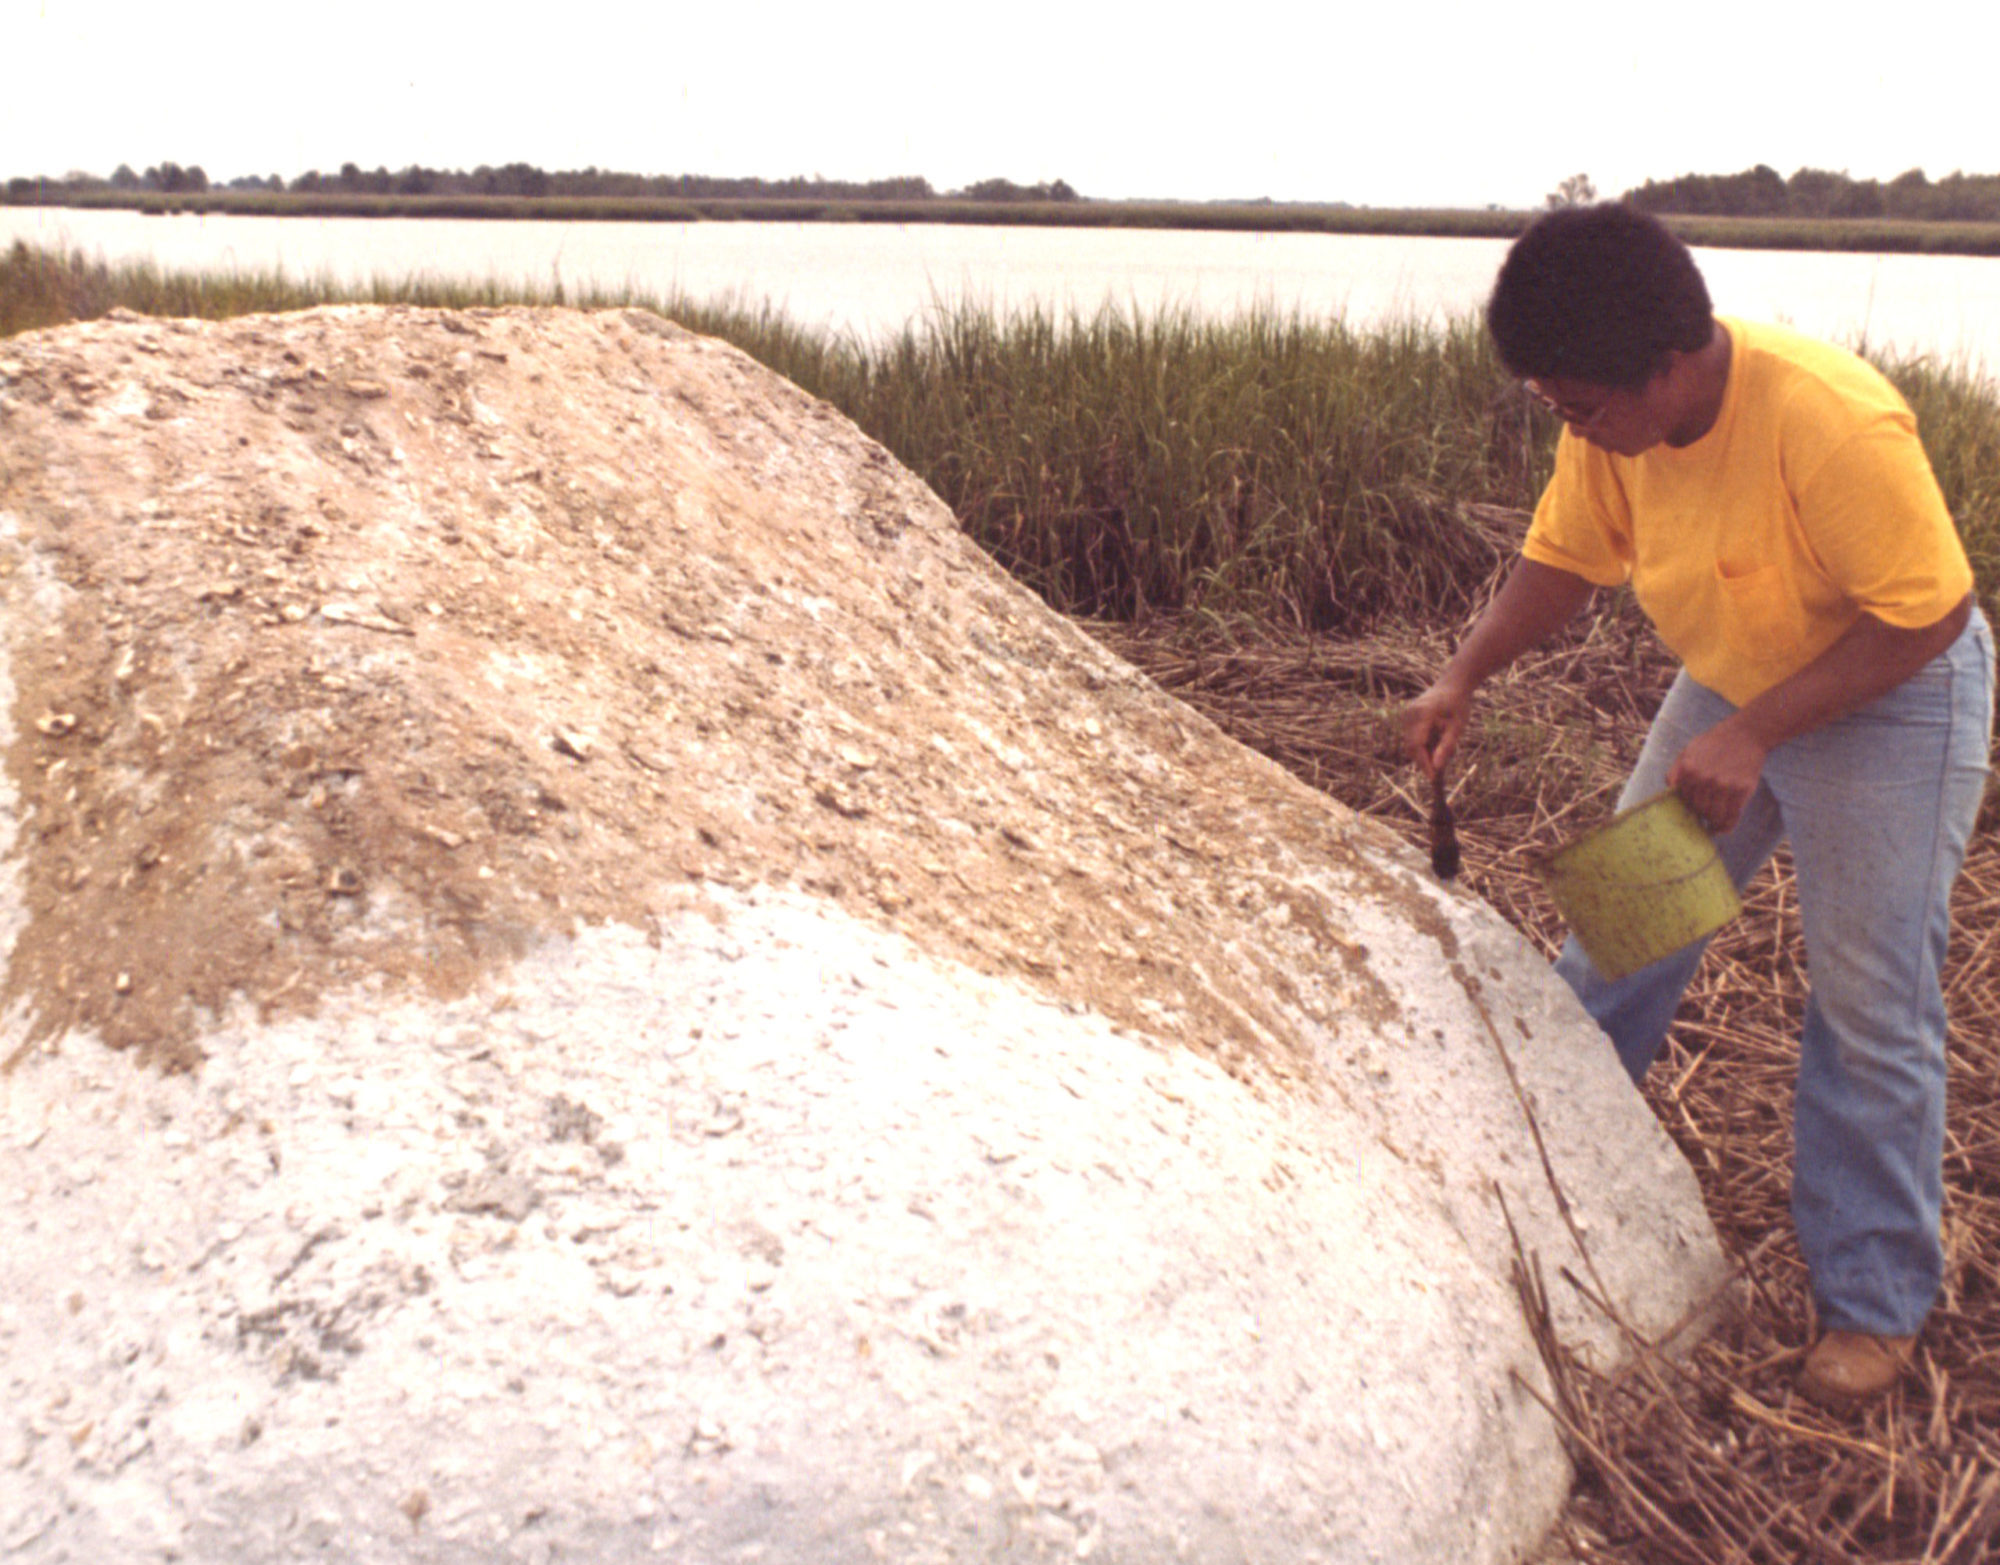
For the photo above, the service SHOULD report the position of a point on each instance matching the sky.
(1379, 104)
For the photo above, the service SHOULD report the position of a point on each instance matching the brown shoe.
(1850, 1367)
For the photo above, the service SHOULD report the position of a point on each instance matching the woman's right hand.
(1533, 603)
(1432, 724)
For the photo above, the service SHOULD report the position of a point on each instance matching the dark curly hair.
(1599, 294)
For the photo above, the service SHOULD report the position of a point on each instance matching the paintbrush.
(1444, 831)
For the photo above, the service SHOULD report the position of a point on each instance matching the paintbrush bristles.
(1445, 858)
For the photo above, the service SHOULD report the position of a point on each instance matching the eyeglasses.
(1576, 417)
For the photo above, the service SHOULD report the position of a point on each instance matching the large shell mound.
(702, 1021)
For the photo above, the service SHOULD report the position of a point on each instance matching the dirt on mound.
(377, 644)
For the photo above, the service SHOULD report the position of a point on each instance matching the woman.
(1768, 501)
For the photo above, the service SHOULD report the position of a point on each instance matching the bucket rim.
(1544, 862)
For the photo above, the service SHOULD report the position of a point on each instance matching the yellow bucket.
(1641, 886)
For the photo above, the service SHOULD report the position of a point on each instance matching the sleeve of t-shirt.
(1582, 523)
(1874, 515)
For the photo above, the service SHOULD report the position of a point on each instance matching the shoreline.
(1863, 235)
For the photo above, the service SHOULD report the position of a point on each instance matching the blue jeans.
(1878, 806)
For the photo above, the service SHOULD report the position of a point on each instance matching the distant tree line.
(524, 179)
(1813, 192)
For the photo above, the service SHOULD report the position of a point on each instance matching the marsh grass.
(1269, 467)
(1958, 413)
(41, 287)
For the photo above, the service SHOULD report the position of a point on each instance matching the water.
(871, 279)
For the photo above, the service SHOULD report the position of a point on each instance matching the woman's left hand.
(1717, 773)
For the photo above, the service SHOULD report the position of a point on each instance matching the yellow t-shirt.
(1754, 549)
